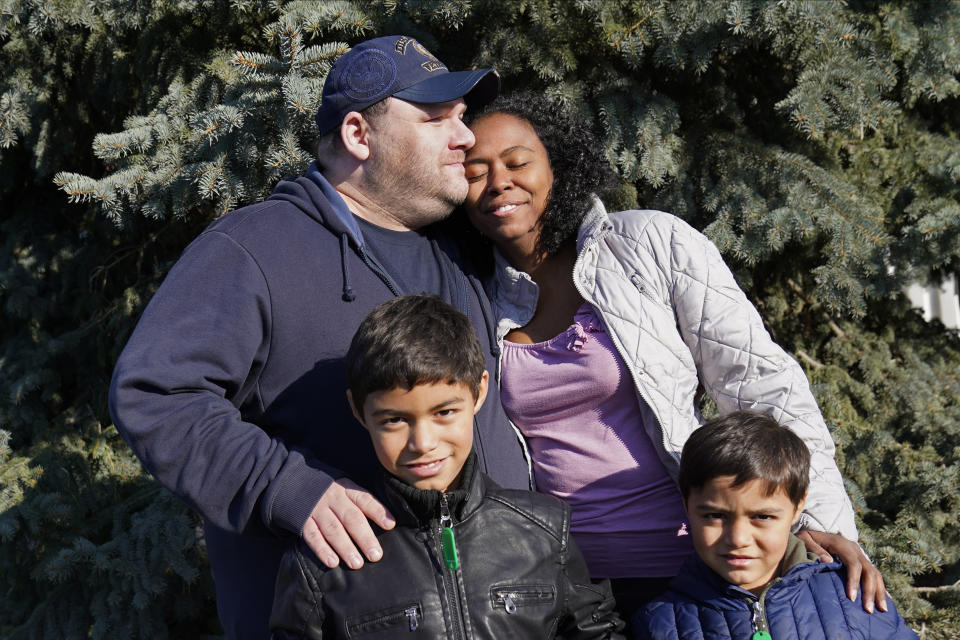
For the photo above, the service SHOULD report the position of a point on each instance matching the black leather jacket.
(520, 575)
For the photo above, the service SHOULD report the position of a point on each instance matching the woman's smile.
(510, 179)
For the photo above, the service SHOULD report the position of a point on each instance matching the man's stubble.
(415, 184)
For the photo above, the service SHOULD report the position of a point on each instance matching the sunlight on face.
(423, 435)
(739, 532)
(510, 179)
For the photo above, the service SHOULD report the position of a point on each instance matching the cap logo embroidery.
(432, 64)
(422, 50)
(401, 44)
(368, 75)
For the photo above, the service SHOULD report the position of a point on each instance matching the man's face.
(423, 435)
(740, 532)
(416, 161)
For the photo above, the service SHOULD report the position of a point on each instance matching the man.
(217, 389)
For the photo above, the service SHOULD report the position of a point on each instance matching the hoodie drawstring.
(348, 293)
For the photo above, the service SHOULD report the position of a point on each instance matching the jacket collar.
(595, 223)
(416, 507)
(701, 583)
(514, 294)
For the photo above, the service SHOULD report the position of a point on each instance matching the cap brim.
(476, 87)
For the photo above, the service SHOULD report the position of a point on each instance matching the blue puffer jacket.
(807, 603)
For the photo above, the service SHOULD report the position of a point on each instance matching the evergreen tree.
(815, 142)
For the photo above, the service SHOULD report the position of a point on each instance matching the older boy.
(467, 559)
(743, 479)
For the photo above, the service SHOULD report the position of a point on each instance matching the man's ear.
(355, 135)
(353, 408)
(481, 391)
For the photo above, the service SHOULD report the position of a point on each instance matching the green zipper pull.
(447, 540)
(758, 621)
(449, 544)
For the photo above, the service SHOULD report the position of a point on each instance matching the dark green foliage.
(815, 141)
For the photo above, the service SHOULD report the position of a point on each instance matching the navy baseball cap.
(401, 67)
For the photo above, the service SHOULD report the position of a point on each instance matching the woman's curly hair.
(580, 168)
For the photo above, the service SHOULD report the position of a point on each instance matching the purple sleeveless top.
(573, 399)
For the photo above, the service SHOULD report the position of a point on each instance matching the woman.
(609, 324)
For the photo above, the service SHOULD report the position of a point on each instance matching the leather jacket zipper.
(448, 542)
(450, 566)
(409, 616)
(413, 618)
(512, 597)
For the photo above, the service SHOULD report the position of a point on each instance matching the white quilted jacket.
(678, 318)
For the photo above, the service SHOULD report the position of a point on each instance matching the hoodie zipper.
(450, 566)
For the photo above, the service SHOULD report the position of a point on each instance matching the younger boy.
(467, 559)
(743, 479)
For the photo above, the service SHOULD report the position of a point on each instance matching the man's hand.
(860, 571)
(339, 520)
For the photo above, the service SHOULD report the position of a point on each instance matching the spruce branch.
(814, 306)
(809, 360)
(14, 117)
(945, 587)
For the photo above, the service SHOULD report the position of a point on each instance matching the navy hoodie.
(231, 389)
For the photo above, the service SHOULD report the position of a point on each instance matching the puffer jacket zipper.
(451, 585)
(758, 613)
(758, 621)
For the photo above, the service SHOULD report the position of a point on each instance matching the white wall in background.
(938, 301)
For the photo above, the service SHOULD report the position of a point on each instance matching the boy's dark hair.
(748, 446)
(411, 340)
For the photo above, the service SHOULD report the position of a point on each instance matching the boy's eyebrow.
(709, 506)
(436, 407)
(447, 403)
(386, 412)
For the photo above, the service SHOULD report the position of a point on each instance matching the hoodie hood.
(312, 194)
